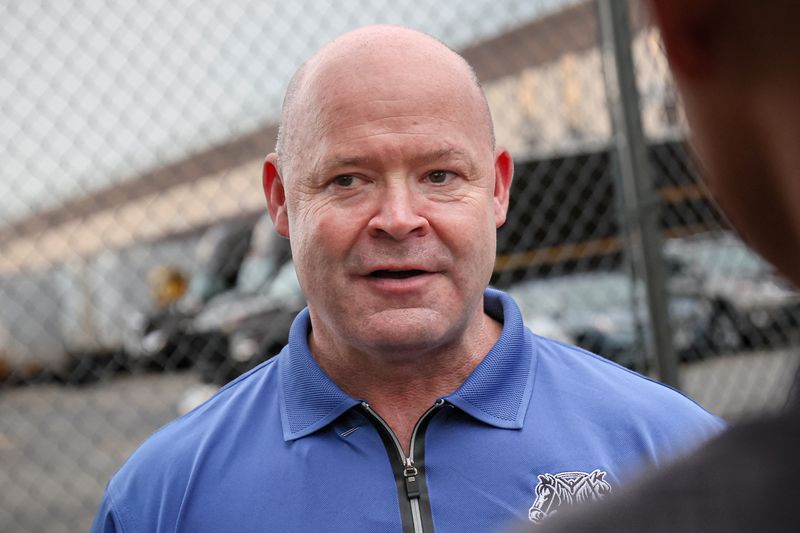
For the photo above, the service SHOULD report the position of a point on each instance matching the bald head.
(375, 58)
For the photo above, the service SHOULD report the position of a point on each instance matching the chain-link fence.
(138, 273)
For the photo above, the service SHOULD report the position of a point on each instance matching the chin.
(405, 331)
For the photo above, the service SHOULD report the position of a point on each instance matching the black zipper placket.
(408, 474)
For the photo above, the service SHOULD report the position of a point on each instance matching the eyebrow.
(348, 160)
(428, 157)
(433, 156)
(329, 165)
(442, 153)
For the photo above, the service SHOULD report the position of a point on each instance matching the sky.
(95, 91)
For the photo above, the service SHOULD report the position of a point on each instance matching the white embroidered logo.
(555, 491)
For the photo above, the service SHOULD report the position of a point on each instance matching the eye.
(345, 180)
(440, 176)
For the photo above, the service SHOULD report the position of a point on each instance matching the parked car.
(255, 337)
(753, 307)
(604, 313)
(254, 332)
(158, 338)
(256, 291)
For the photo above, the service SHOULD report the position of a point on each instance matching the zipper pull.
(410, 475)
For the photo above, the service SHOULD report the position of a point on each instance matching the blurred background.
(138, 272)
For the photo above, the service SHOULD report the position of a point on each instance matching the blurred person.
(737, 65)
(410, 396)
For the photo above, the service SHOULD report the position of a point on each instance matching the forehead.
(361, 104)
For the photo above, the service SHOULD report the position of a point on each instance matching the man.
(737, 64)
(409, 397)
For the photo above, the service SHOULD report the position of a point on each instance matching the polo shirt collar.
(499, 389)
(497, 392)
(309, 399)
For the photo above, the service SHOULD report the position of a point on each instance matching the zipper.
(411, 480)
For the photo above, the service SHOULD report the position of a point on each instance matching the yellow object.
(167, 284)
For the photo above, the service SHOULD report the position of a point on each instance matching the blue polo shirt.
(537, 425)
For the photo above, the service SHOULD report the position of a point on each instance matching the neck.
(402, 387)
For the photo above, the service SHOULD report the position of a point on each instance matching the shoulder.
(214, 415)
(157, 475)
(564, 365)
(618, 398)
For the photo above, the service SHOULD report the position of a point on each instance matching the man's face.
(392, 207)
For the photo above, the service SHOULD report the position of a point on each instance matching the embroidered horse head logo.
(566, 488)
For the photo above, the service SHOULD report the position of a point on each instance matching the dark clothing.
(745, 480)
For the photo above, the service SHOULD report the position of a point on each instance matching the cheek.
(321, 237)
(471, 237)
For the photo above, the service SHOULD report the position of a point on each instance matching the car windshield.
(593, 293)
(255, 274)
(730, 261)
(203, 286)
(724, 258)
(285, 287)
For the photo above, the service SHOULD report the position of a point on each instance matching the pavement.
(60, 445)
(740, 386)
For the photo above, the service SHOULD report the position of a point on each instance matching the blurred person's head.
(737, 65)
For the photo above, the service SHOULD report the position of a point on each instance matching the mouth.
(396, 274)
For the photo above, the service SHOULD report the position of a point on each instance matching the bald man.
(737, 65)
(410, 396)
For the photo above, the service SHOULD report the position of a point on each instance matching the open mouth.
(396, 274)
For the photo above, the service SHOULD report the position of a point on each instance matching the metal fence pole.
(640, 203)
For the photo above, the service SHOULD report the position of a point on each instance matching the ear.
(275, 194)
(503, 174)
(690, 30)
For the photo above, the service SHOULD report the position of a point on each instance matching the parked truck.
(67, 321)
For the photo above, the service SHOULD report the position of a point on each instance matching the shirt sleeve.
(106, 520)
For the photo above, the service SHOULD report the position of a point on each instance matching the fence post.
(640, 211)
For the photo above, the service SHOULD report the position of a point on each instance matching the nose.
(398, 214)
